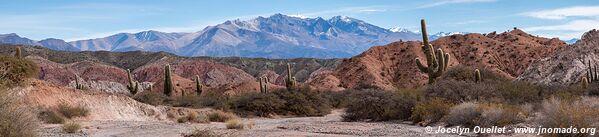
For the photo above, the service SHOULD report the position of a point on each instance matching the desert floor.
(329, 125)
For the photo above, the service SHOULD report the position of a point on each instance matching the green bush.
(303, 102)
(214, 100)
(458, 91)
(376, 105)
(465, 73)
(13, 71)
(72, 111)
(430, 110)
(152, 98)
(259, 104)
(518, 92)
(339, 99)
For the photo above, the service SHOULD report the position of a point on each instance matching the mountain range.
(276, 36)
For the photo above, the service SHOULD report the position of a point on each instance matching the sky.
(76, 20)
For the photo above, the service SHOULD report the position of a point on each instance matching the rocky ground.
(329, 125)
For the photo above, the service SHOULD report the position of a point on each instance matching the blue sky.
(75, 19)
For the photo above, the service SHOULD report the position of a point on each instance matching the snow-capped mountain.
(400, 29)
(571, 41)
(443, 34)
(146, 41)
(281, 36)
(431, 37)
(276, 36)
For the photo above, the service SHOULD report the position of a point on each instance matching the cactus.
(436, 63)
(592, 74)
(198, 86)
(168, 81)
(290, 80)
(591, 77)
(265, 84)
(477, 77)
(77, 83)
(584, 82)
(18, 52)
(133, 85)
(261, 85)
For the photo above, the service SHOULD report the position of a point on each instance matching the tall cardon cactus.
(168, 81)
(437, 62)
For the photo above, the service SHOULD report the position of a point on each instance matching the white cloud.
(572, 29)
(347, 10)
(562, 13)
(445, 2)
(576, 25)
(299, 16)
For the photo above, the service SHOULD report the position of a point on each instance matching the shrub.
(182, 119)
(338, 99)
(593, 89)
(71, 111)
(187, 101)
(152, 98)
(500, 115)
(460, 91)
(236, 124)
(303, 102)
(193, 117)
(556, 113)
(221, 116)
(15, 119)
(518, 92)
(465, 73)
(215, 100)
(51, 117)
(202, 133)
(464, 114)
(259, 104)
(71, 127)
(375, 105)
(430, 111)
(14, 71)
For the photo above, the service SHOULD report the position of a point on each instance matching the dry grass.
(193, 117)
(71, 127)
(238, 124)
(583, 113)
(464, 114)
(15, 119)
(221, 116)
(72, 111)
(430, 111)
(14, 71)
(202, 133)
(51, 117)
